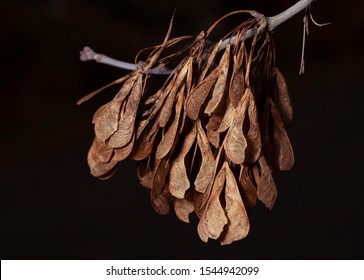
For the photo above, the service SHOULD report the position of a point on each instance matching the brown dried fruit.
(169, 138)
(184, 207)
(209, 138)
(238, 221)
(198, 95)
(178, 178)
(207, 167)
(266, 188)
(253, 138)
(220, 85)
(247, 187)
(237, 83)
(281, 99)
(236, 144)
(213, 219)
(126, 119)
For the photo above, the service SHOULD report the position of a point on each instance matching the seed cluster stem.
(272, 22)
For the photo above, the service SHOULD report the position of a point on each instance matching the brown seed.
(126, 125)
(248, 188)
(238, 221)
(178, 178)
(213, 219)
(253, 138)
(207, 169)
(266, 188)
(235, 144)
(281, 98)
(221, 82)
(198, 95)
(284, 156)
(184, 207)
(237, 82)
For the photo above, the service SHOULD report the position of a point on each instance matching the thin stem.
(271, 22)
(89, 54)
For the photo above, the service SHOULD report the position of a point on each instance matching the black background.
(52, 208)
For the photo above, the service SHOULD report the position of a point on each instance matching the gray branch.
(272, 22)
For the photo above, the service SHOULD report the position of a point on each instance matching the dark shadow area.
(52, 208)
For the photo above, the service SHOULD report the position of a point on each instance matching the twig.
(305, 33)
(272, 22)
(89, 54)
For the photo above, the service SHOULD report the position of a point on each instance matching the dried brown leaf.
(221, 82)
(127, 118)
(213, 219)
(207, 168)
(238, 221)
(178, 178)
(235, 142)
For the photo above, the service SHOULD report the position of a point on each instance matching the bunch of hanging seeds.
(208, 140)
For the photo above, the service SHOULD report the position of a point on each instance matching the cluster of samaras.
(209, 139)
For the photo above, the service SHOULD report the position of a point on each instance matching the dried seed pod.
(198, 95)
(145, 173)
(213, 219)
(210, 60)
(237, 82)
(247, 187)
(207, 167)
(123, 152)
(284, 156)
(235, 142)
(228, 117)
(253, 138)
(177, 85)
(238, 221)
(126, 120)
(178, 178)
(281, 98)
(221, 82)
(106, 119)
(184, 207)
(277, 146)
(169, 138)
(217, 122)
(100, 160)
(160, 196)
(145, 142)
(266, 188)
(212, 127)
